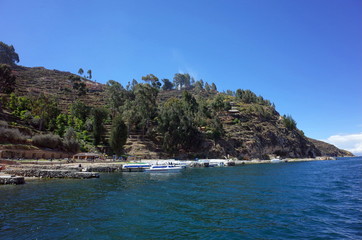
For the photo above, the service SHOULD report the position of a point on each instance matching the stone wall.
(33, 154)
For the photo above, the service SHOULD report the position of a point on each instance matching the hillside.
(39, 80)
(329, 149)
(250, 129)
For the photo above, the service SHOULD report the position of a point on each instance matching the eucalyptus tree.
(190, 103)
(207, 87)
(167, 84)
(182, 80)
(8, 54)
(199, 85)
(7, 79)
(118, 135)
(116, 95)
(45, 109)
(89, 74)
(152, 80)
(78, 85)
(99, 115)
(70, 140)
(177, 126)
(145, 105)
(80, 71)
(80, 110)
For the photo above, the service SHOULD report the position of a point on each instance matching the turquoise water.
(306, 200)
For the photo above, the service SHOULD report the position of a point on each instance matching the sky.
(305, 56)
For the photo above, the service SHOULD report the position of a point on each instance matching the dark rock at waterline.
(11, 180)
(46, 173)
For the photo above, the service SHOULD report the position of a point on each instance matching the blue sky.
(303, 55)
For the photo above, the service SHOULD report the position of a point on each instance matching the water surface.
(305, 200)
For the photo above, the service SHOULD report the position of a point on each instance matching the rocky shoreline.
(16, 174)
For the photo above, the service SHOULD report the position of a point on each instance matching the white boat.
(164, 168)
(217, 163)
(136, 166)
(276, 160)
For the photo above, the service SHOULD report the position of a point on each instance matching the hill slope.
(39, 80)
(251, 130)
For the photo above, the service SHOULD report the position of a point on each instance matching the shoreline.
(32, 170)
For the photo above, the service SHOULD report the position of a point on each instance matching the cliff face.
(329, 149)
(251, 130)
(249, 136)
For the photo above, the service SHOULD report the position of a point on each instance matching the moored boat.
(164, 168)
(136, 167)
(276, 160)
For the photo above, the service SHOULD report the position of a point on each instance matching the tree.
(78, 85)
(216, 129)
(181, 80)
(167, 84)
(7, 79)
(70, 142)
(246, 96)
(213, 87)
(80, 71)
(133, 84)
(177, 126)
(46, 109)
(80, 110)
(220, 104)
(190, 103)
(99, 115)
(115, 95)
(207, 87)
(153, 80)
(89, 74)
(289, 122)
(145, 105)
(199, 85)
(8, 54)
(61, 123)
(118, 135)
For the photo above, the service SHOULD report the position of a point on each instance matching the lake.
(302, 200)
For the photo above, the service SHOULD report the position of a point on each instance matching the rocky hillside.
(39, 80)
(329, 149)
(251, 130)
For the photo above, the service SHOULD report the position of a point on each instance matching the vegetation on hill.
(8, 54)
(179, 118)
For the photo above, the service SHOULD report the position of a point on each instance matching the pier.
(9, 179)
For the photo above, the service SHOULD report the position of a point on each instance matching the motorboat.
(164, 168)
(276, 160)
(136, 167)
(218, 163)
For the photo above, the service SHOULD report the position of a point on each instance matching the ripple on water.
(321, 200)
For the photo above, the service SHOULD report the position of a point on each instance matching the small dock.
(50, 173)
(9, 179)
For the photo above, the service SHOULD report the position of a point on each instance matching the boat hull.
(165, 169)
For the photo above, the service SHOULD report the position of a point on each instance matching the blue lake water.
(305, 200)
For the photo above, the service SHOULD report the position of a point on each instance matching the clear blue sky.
(303, 55)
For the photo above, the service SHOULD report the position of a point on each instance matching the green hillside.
(183, 118)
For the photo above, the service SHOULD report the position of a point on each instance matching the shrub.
(3, 124)
(47, 141)
(71, 145)
(9, 135)
(289, 122)
(70, 142)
